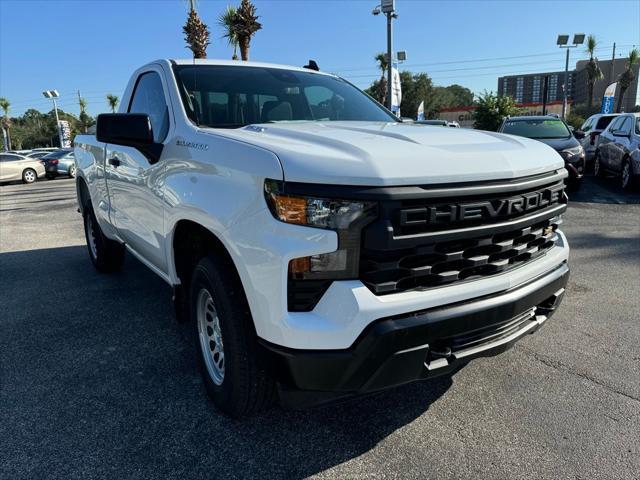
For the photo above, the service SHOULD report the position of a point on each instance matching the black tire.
(72, 171)
(105, 254)
(628, 180)
(29, 175)
(597, 166)
(245, 387)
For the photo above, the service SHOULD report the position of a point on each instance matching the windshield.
(224, 96)
(537, 128)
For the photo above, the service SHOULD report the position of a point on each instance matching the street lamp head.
(376, 11)
(46, 94)
(51, 94)
(562, 40)
(578, 38)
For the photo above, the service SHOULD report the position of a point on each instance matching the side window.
(586, 126)
(148, 97)
(615, 124)
(7, 157)
(626, 125)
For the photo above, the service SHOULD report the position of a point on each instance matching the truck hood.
(384, 154)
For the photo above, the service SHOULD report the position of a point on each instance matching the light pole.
(53, 94)
(563, 42)
(388, 8)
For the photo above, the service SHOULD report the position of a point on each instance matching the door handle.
(114, 161)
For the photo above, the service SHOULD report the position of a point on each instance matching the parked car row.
(609, 142)
(29, 166)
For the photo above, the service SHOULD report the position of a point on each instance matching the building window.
(519, 89)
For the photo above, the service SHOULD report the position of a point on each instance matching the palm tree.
(85, 120)
(113, 101)
(226, 21)
(593, 69)
(627, 77)
(6, 121)
(196, 34)
(244, 26)
(383, 64)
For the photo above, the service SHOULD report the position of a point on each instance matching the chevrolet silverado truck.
(319, 247)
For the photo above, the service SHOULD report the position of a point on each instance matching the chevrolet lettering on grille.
(481, 210)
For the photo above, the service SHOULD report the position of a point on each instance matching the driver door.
(134, 182)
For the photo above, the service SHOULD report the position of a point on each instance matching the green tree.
(226, 21)
(593, 69)
(627, 77)
(113, 101)
(5, 105)
(196, 34)
(416, 88)
(491, 110)
(244, 26)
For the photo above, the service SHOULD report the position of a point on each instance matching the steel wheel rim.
(29, 176)
(625, 175)
(210, 335)
(91, 238)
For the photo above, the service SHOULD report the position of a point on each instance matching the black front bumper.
(398, 350)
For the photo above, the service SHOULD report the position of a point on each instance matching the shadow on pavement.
(97, 379)
(603, 190)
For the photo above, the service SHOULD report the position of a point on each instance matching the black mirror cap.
(130, 129)
(579, 134)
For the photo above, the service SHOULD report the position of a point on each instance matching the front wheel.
(597, 166)
(72, 171)
(627, 179)
(105, 254)
(29, 176)
(235, 378)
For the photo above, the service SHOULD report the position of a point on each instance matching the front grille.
(447, 262)
(411, 247)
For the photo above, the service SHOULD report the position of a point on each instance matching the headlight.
(570, 152)
(346, 217)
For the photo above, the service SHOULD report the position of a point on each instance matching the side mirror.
(131, 130)
(579, 134)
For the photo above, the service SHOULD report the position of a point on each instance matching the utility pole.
(613, 63)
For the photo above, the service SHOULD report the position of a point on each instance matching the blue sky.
(95, 45)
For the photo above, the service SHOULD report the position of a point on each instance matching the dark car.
(60, 162)
(619, 150)
(37, 154)
(555, 133)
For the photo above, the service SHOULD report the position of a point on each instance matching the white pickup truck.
(320, 247)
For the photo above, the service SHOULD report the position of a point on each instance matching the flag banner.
(65, 134)
(608, 99)
(396, 90)
(421, 111)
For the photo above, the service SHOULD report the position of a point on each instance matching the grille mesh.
(443, 263)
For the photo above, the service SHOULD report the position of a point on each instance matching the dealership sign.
(608, 99)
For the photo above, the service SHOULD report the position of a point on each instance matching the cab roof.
(239, 63)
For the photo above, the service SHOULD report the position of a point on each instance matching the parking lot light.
(563, 42)
(53, 94)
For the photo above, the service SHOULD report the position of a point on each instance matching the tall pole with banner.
(53, 94)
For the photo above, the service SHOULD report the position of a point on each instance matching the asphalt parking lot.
(97, 380)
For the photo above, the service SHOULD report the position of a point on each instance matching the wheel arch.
(82, 193)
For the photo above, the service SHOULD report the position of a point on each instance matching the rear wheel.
(72, 171)
(29, 176)
(235, 378)
(105, 254)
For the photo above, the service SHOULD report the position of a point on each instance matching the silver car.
(592, 128)
(18, 167)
